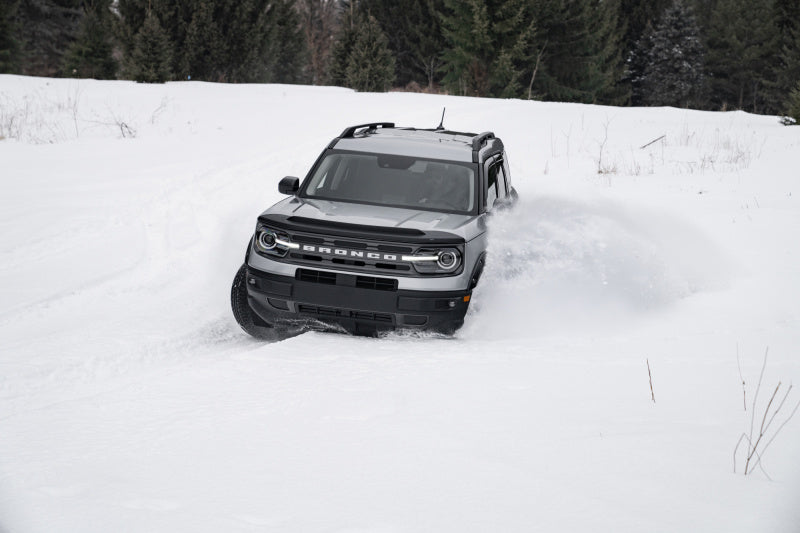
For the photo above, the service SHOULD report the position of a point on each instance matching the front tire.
(243, 313)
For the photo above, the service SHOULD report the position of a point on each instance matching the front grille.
(378, 284)
(345, 280)
(338, 261)
(337, 253)
(395, 249)
(307, 239)
(392, 266)
(375, 317)
(315, 276)
(306, 257)
(351, 244)
(333, 312)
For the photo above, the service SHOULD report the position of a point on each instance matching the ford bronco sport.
(387, 231)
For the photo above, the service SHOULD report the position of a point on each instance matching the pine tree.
(638, 18)
(488, 49)
(9, 46)
(150, 59)
(237, 41)
(244, 30)
(45, 30)
(610, 87)
(793, 104)
(200, 57)
(370, 65)
(674, 75)
(703, 12)
(426, 42)
(636, 65)
(129, 20)
(262, 41)
(581, 60)
(90, 55)
(288, 48)
(513, 28)
(319, 21)
(466, 31)
(742, 52)
(787, 65)
(415, 36)
(343, 46)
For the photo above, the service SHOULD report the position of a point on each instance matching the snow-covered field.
(131, 402)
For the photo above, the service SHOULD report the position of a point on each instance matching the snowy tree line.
(708, 54)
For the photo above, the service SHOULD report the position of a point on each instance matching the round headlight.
(447, 260)
(266, 240)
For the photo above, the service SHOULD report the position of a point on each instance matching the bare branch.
(755, 398)
(651, 142)
(761, 431)
(652, 394)
(744, 390)
(536, 69)
(736, 449)
(778, 409)
(769, 404)
(778, 430)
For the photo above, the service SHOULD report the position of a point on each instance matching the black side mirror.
(289, 185)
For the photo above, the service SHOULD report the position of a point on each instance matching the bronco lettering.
(348, 253)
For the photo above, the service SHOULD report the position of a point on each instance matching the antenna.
(441, 123)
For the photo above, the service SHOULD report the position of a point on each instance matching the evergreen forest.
(701, 54)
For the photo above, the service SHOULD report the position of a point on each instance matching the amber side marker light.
(466, 298)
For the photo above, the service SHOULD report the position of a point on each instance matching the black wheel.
(244, 315)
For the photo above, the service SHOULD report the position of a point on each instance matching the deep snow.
(131, 401)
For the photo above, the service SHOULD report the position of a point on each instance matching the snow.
(131, 401)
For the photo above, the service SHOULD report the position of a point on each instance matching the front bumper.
(357, 303)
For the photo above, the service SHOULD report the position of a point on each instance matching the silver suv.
(387, 231)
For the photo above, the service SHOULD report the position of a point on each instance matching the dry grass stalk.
(754, 455)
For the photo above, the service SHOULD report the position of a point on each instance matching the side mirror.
(289, 185)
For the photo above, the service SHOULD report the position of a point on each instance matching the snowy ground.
(130, 401)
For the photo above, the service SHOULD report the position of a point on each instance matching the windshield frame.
(474, 167)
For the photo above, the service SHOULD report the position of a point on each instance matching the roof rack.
(477, 143)
(350, 132)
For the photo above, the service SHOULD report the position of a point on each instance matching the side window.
(501, 179)
(491, 192)
(507, 173)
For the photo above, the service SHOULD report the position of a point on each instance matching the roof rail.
(477, 143)
(349, 132)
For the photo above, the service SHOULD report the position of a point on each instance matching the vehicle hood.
(466, 226)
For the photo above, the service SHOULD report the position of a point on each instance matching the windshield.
(395, 181)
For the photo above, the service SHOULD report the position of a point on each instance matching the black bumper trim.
(278, 298)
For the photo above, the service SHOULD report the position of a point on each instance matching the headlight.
(266, 240)
(448, 260)
(435, 261)
(272, 242)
